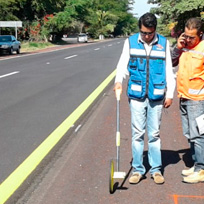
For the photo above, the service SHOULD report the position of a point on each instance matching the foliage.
(110, 17)
(101, 22)
(8, 9)
(177, 11)
(42, 18)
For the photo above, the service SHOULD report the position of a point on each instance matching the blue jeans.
(146, 114)
(190, 110)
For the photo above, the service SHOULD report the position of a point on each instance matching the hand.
(118, 86)
(168, 102)
(181, 42)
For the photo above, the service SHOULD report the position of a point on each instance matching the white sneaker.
(187, 172)
(195, 177)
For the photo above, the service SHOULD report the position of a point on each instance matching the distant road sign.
(10, 23)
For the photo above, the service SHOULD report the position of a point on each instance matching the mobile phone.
(184, 40)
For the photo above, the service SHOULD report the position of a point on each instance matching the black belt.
(184, 99)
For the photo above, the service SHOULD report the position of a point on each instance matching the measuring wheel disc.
(111, 179)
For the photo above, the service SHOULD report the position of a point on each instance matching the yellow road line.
(18, 176)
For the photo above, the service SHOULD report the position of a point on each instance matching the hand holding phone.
(181, 42)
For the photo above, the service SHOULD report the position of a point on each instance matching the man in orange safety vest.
(189, 54)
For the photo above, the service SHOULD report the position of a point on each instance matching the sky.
(141, 7)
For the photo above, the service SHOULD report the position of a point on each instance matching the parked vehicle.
(8, 43)
(82, 37)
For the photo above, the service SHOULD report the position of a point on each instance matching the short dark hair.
(148, 20)
(194, 23)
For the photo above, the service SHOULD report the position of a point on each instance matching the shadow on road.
(171, 157)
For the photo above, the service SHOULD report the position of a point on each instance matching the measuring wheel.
(111, 179)
(116, 174)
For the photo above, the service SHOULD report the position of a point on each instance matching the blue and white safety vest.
(147, 73)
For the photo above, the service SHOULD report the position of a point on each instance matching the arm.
(170, 79)
(175, 55)
(122, 66)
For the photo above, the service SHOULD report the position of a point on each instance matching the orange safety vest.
(190, 76)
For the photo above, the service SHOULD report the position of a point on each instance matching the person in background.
(189, 54)
(146, 59)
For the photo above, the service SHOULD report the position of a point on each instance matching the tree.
(101, 22)
(126, 25)
(33, 14)
(110, 17)
(177, 11)
(42, 17)
(70, 19)
(7, 9)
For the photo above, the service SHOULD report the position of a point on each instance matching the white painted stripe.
(110, 45)
(78, 127)
(40, 53)
(9, 74)
(97, 49)
(70, 56)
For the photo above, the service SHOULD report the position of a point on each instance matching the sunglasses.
(146, 33)
(188, 37)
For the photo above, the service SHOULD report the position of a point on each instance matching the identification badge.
(200, 123)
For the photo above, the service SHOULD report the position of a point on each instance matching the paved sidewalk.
(79, 173)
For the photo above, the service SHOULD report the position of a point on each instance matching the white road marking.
(78, 127)
(70, 56)
(97, 49)
(9, 74)
(110, 45)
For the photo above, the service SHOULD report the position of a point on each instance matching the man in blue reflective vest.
(146, 59)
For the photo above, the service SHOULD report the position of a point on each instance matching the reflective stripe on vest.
(196, 92)
(139, 52)
(193, 51)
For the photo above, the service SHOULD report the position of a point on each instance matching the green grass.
(30, 46)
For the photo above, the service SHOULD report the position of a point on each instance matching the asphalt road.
(39, 91)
